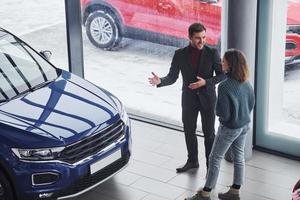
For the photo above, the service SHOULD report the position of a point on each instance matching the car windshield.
(21, 68)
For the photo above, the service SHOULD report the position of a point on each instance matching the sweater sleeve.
(172, 76)
(217, 67)
(223, 105)
(251, 98)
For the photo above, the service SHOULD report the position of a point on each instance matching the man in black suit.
(197, 63)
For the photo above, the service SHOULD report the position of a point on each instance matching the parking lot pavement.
(25, 16)
(291, 98)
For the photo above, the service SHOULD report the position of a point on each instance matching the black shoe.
(187, 166)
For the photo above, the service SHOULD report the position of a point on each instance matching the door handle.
(165, 7)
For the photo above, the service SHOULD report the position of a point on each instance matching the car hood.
(61, 113)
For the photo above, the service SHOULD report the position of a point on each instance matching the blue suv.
(60, 135)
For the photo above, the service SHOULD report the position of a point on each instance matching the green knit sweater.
(235, 103)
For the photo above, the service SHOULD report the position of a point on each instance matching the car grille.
(88, 180)
(92, 144)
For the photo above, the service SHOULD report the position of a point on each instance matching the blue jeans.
(225, 138)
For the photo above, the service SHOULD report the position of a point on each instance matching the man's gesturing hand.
(155, 80)
(201, 82)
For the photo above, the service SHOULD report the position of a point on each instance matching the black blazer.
(210, 62)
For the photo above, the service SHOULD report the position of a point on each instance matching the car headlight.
(38, 154)
(121, 109)
(124, 115)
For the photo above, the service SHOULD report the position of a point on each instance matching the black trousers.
(192, 104)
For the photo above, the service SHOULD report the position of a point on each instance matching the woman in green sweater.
(234, 105)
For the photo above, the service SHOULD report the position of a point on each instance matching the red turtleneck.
(195, 55)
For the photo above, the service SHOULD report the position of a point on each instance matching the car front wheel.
(5, 188)
(102, 30)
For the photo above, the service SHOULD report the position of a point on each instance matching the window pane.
(129, 39)
(291, 94)
(40, 29)
(39, 23)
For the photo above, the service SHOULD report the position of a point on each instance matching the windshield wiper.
(38, 86)
(18, 95)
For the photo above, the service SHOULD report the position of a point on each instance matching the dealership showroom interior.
(84, 116)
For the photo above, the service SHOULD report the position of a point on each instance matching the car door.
(137, 14)
(173, 17)
(207, 13)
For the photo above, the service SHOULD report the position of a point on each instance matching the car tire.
(6, 192)
(103, 30)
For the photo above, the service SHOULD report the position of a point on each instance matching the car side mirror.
(46, 54)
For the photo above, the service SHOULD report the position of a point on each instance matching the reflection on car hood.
(64, 111)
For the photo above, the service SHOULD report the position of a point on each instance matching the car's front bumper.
(88, 181)
(74, 179)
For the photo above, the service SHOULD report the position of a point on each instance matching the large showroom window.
(278, 77)
(125, 40)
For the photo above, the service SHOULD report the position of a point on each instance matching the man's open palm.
(155, 80)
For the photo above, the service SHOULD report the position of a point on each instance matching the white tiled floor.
(157, 151)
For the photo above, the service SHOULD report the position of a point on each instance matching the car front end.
(77, 168)
(60, 135)
(54, 167)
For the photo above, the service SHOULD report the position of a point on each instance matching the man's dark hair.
(196, 28)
